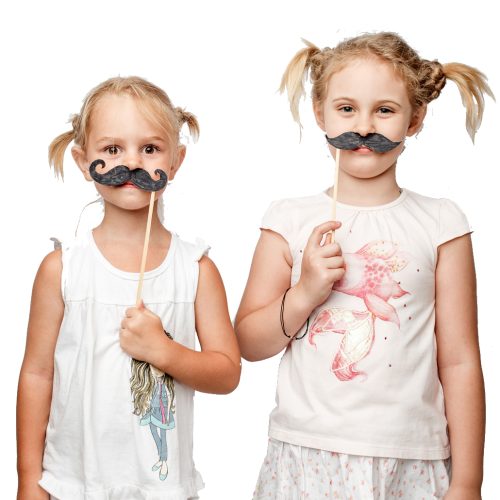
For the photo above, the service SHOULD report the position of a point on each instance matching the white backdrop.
(223, 61)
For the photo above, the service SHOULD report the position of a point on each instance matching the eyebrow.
(115, 140)
(107, 139)
(379, 102)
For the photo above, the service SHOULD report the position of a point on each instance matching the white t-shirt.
(363, 380)
(96, 447)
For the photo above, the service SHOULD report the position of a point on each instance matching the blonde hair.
(155, 104)
(142, 384)
(424, 79)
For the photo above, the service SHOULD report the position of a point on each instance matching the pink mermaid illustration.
(369, 277)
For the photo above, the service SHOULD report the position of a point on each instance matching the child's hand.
(322, 265)
(141, 333)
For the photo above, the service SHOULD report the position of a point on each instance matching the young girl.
(105, 405)
(369, 366)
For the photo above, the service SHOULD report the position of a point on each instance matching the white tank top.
(96, 447)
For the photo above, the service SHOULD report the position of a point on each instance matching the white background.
(223, 61)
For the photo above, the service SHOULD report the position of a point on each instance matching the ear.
(417, 121)
(181, 154)
(81, 160)
(319, 115)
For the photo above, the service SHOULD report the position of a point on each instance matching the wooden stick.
(145, 249)
(335, 189)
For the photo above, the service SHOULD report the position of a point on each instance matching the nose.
(133, 160)
(364, 124)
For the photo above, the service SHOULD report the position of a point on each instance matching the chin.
(366, 171)
(130, 205)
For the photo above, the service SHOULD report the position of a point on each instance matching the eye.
(149, 149)
(346, 109)
(112, 150)
(385, 110)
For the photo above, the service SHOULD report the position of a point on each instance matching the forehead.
(367, 77)
(117, 115)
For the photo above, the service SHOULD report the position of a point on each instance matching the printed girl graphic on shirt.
(369, 277)
(153, 393)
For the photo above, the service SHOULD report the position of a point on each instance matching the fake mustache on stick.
(121, 174)
(352, 140)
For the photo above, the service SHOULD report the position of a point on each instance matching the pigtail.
(293, 80)
(59, 145)
(471, 83)
(192, 123)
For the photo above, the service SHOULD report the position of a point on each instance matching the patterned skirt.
(293, 472)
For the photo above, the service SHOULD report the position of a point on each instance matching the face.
(121, 135)
(368, 96)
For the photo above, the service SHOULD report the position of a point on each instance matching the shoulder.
(431, 203)
(208, 269)
(285, 205)
(286, 216)
(442, 216)
(48, 278)
(187, 250)
(51, 266)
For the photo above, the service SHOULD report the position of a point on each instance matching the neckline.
(131, 275)
(361, 208)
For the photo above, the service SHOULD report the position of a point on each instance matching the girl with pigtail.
(381, 377)
(105, 401)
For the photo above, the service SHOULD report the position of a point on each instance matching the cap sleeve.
(277, 218)
(200, 249)
(452, 222)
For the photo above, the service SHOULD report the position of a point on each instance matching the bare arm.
(460, 365)
(35, 380)
(257, 322)
(216, 369)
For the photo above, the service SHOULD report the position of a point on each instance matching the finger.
(141, 305)
(328, 238)
(335, 263)
(130, 312)
(318, 232)
(329, 250)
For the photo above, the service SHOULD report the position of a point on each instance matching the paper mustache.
(121, 174)
(352, 140)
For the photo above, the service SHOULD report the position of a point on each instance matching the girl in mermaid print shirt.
(379, 327)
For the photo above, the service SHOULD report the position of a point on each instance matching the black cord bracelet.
(282, 321)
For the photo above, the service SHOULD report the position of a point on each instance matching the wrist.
(164, 352)
(301, 299)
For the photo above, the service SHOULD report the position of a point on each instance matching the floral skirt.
(293, 472)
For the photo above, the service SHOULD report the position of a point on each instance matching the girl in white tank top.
(105, 406)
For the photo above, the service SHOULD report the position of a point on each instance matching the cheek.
(395, 130)
(334, 128)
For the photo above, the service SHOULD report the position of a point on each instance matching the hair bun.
(432, 79)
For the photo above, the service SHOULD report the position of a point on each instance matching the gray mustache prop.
(352, 140)
(121, 174)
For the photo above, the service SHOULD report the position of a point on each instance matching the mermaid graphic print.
(153, 395)
(368, 276)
